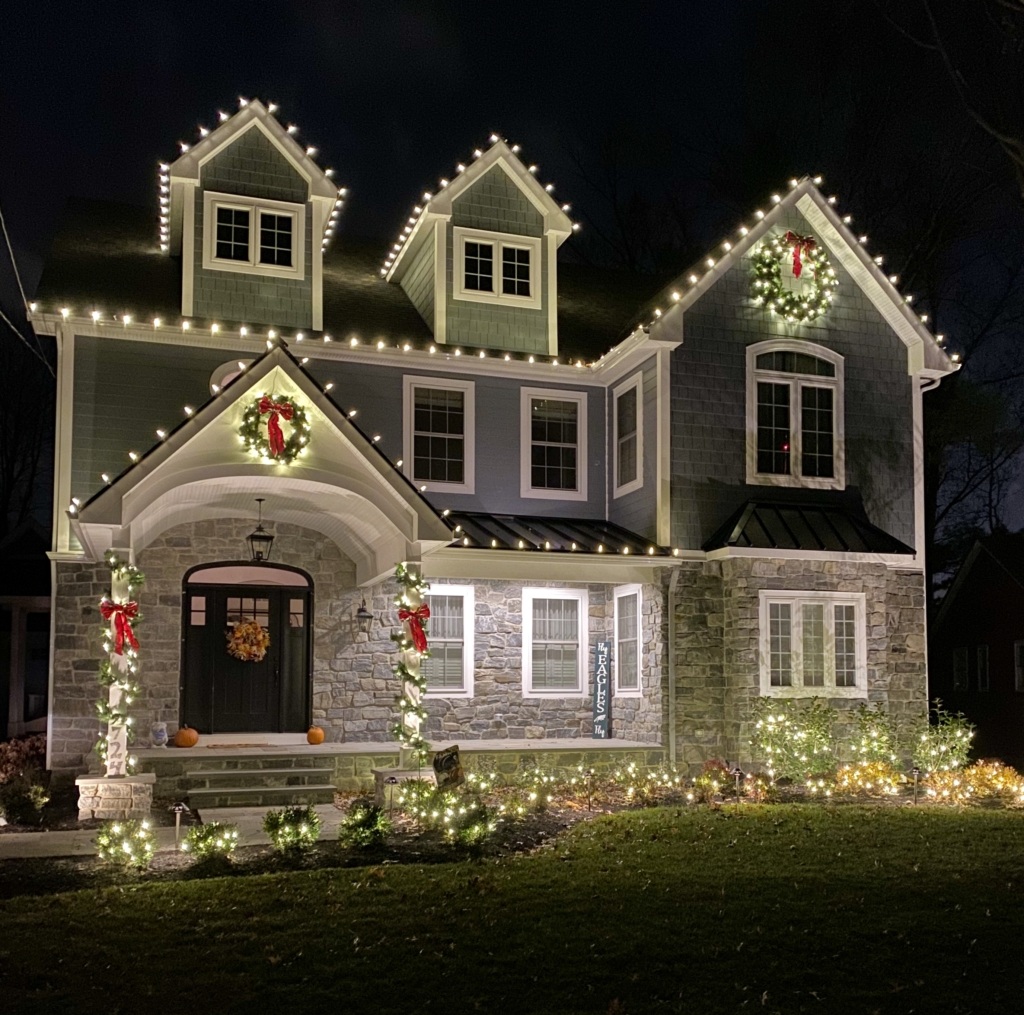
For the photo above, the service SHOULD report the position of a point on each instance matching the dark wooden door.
(222, 694)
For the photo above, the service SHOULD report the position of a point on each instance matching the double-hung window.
(553, 444)
(626, 657)
(554, 642)
(501, 268)
(448, 668)
(258, 237)
(813, 643)
(438, 444)
(795, 415)
(627, 435)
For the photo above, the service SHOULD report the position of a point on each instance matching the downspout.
(926, 385)
(672, 583)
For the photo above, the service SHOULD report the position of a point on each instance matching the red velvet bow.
(123, 614)
(802, 247)
(416, 618)
(267, 404)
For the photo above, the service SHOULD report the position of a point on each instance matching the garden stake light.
(178, 809)
(917, 775)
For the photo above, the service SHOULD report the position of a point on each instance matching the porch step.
(214, 778)
(260, 796)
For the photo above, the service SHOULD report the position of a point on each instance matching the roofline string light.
(421, 207)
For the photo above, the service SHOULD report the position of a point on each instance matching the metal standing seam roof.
(482, 531)
(791, 526)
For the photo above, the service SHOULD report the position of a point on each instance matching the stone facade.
(717, 643)
(119, 799)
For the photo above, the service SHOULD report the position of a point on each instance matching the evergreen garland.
(796, 307)
(409, 704)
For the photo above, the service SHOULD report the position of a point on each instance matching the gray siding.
(637, 510)
(418, 282)
(253, 167)
(708, 397)
(495, 203)
(110, 419)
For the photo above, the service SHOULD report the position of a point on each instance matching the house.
(721, 478)
(977, 645)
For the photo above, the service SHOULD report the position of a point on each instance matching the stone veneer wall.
(717, 644)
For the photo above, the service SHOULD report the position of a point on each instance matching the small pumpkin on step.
(315, 735)
(186, 737)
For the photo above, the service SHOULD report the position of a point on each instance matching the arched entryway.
(223, 694)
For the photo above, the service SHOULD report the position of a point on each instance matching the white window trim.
(621, 591)
(410, 382)
(582, 596)
(836, 482)
(526, 489)
(856, 599)
(213, 200)
(468, 594)
(636, 381)
(460, 234)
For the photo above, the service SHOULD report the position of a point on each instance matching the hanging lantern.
(260, 541)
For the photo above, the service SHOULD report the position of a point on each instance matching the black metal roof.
(780, 525)
(106, 256)
(482, 531)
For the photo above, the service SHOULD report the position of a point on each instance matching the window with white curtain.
(626, 656)
(554, 642)
(448, 669)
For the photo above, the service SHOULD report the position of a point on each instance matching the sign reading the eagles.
(262, 432)
(602, 692)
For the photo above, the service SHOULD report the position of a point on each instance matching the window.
(554, 642)
(438, 445)
(627, 434)
(496, 267)
(795, 415)
(982, 655)
(449, 667)
(626, 661)
(553, 451)
(257, 237)
(960, 674)
(1018, 665)
(813, 643)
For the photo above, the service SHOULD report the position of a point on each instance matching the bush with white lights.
(210, 840)
(293, 828)
(126, 843)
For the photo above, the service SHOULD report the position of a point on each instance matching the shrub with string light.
(365, 826)
(215, 839)
(945, 744)
(983, 781)
(648, 786)
(797, 741)
(128, 844)
(292, 828)
(813, 298)
(877, 777)
(461, 817)
(877, 734)
(713, 780)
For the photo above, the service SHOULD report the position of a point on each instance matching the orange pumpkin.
(315, 735)
(186, 737)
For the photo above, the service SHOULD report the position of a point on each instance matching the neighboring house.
(731, 498)
(977, 646)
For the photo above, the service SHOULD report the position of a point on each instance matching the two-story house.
(722, 478)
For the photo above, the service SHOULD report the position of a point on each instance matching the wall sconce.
(260, 541)
(364, 618)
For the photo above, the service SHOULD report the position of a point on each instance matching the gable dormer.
(248, 212)
(478, 259)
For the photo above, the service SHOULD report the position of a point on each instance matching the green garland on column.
(414, 614)
(110, 675)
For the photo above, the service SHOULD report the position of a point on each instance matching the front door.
(224, 694)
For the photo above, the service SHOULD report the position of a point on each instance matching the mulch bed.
(61, 815)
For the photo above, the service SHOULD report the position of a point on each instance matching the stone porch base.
(117, 799)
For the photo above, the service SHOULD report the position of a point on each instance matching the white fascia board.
(894, 561)
(537, 565)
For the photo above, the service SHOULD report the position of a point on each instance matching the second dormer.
(478, 259)
(250, 212)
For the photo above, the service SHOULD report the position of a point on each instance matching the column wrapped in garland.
(118, 671)
(412, 647)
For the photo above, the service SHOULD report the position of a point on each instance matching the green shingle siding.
(418, 282)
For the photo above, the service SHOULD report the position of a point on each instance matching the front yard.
(788, 908)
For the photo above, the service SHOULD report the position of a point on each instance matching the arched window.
(795, 415)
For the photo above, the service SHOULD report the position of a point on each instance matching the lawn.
(797, 908)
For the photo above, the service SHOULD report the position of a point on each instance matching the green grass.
(769, 909)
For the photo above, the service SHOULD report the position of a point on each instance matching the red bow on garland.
(274, 434)
(416, 618)
(123, 614)
(802, 247)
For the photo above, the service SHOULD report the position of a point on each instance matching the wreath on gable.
(248, 641)
(261, 431)
(814, 297)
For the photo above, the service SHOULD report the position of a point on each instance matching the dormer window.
(795, 415)
(253, 236)
(497, 268)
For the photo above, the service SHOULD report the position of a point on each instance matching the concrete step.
(260, 796)
(215, 777)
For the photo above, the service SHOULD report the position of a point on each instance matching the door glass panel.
(295, 613)
(198, 610)
(248, 608)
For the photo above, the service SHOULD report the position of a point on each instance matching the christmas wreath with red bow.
(262, 433)
(810, 263)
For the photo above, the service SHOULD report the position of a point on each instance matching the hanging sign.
(602, 691)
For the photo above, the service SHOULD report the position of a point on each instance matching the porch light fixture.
(364, 618)
(260, 541)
